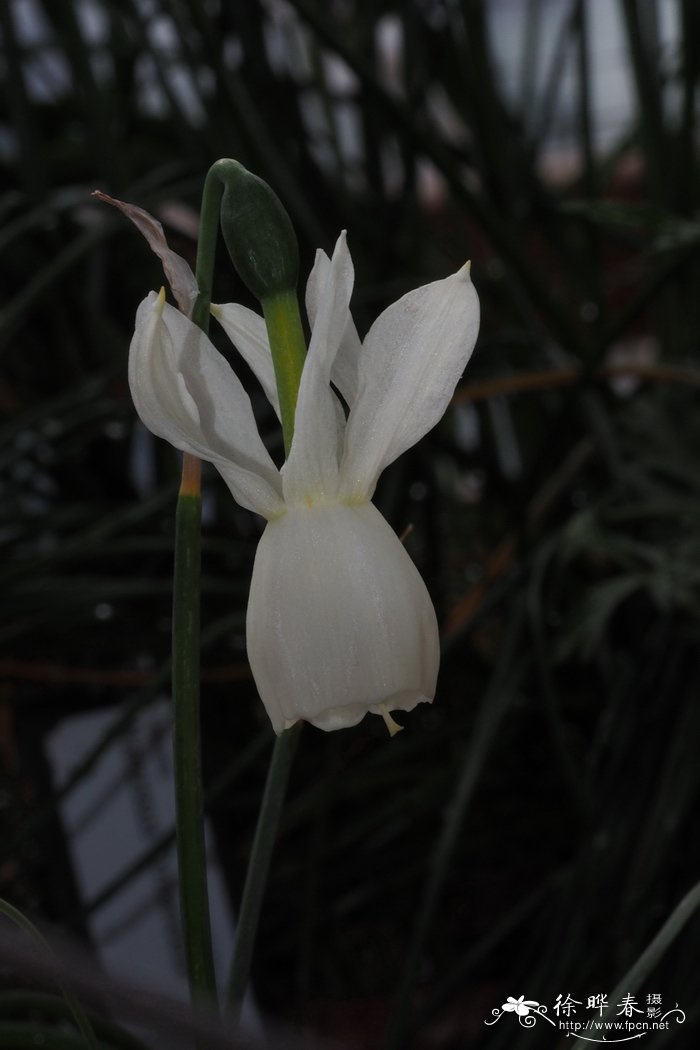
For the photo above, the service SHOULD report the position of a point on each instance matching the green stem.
(260, 857)
(189, 802)
(206, 245)
(288, 352)
(192, 867)
(286, 337)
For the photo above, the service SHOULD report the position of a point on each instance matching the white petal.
(176, 269)
(344, 373)
(311, 470)
(185, 392)
(411, 361)
(248, 333)
(339, 620)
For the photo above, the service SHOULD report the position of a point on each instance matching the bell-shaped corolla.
(339, 620)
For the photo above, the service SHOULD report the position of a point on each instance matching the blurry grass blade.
(33, 163)
(14, 314)
(239, 765)
(425, 142)
(642, 38)
(82, 1023)
(650, 958)
(51, 1006)
(130, 708)
(94, 99)
(530, 59)
(494, 706)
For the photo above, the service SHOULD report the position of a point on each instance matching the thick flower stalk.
(339, 620)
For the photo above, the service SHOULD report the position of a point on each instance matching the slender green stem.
(189, 803)
(288, 350)
(206, 245)
(194, 898)
(288, 353)
(260, 857)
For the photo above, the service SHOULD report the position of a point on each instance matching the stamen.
(389, 722)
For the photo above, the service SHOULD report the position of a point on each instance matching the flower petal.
(311, 470)
(411, 361)
(339, 620)
(248, 333)
(185, 392)
(176, 269)
(344, 373)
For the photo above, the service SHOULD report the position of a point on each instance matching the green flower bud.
(258, 232)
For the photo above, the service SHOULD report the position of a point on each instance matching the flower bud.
(258, 232)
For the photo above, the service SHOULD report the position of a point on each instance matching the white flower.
(520, 1006)
(339, 620)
